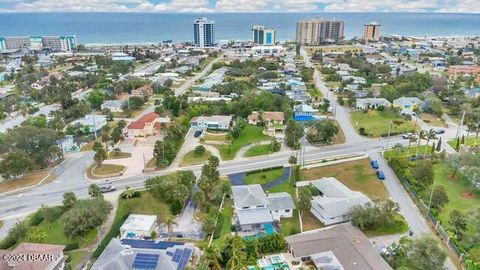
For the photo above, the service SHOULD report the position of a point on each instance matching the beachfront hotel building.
(204, 32)
(371, 32)
(318, 31)
(263, 35)
(38, 43)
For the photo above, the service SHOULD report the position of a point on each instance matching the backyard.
(375, 123)
(250, 134)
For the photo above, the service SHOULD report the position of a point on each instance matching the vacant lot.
(357, 175)
(375, 123)
(28, 179)
(258, 150)
(192, 159)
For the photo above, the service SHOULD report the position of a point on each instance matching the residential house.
(127, 254)
(304, 110)
(147, 125)
(216, 77)
(146, 90)
(94, 121)
(342, 247)
(122, 57)
(299, 93)
(3, 76)
(256, 212)
(335, 200)
(52, 257)
(216, 122)
(354, 79)
(408, 105)
(138, 226)
(372, 103)
(472, 93)
(272, 120)
(112, 105)
(42, 82)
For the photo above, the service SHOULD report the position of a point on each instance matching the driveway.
(135, 164)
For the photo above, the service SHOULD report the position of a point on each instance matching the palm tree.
(421, 135)
(211, 258)
(128, 193)
(411, 139)
(238, 261)
(292, 160)
(170, 222)
(116, 151)
(430, 135)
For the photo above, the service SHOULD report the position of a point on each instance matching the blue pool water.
(305, 118)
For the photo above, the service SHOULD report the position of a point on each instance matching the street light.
(388, 137)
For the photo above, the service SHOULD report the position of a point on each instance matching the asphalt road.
(184, 87)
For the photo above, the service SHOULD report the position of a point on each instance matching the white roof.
(139, 222)
(280, 201)
(337, 199)
(254, 216)
(249, 195)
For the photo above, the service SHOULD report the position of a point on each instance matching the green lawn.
(112, 155)
(250, 134)
(400, 226)
(76, 257)
(376, 123)
(258, 150)
(145, 204)
(407, 152)
(226, 216)
(357, 175)
(263, 177)
(469, 141)
(456, 190)
(106, 169)
(289, 226)
(192, 159)
(55, 235)
(215, 137)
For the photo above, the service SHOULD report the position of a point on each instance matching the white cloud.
(463, 6)
(241, 5)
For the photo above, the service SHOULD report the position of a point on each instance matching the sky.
(205, 6)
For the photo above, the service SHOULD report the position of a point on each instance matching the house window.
(246, 207)
(260, 206)
(276, 211)
(287, 210)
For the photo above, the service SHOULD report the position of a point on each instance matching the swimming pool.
(305, 118)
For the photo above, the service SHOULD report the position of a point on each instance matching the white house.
(372, 103)
(304, 110)
(138, 226)
(255, 211)
(334, 201)
(112, 105)
(94, 122)
(219, 122)
(408, 105)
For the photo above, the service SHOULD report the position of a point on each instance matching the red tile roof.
(140, 123)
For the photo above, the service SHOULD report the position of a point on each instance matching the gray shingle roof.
(248, 195)
(280, 201)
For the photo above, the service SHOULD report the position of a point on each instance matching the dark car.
(380, 175)
(374, 164)
(107, 188)
(439, 131)
(197, 133)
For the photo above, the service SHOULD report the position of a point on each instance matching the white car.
(407, 135)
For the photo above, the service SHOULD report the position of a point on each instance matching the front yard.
(375, 123)
(358, 175)
(250, 134)
(258, 150)
(470, 141)
(263, 177)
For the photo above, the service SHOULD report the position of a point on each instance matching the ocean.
(155, 27)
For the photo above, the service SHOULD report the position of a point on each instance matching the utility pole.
(94, 124)
(388, 138)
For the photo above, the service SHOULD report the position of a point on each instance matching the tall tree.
(69, 199)
(458, 222)
(14, 164)
(425, 254)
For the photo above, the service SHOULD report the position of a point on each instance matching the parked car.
(439, 131)
(374, 164)
(380, 175)
(197, 133)
(107, 188)
(406, 135)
